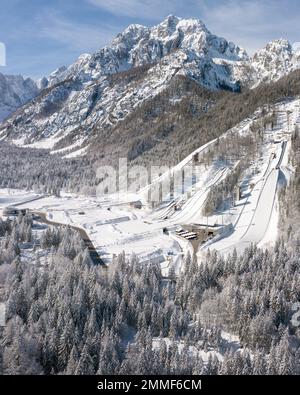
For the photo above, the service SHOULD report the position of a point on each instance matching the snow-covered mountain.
(186, 41)
(14, 92)
(277, 59)
(100, 90)
(89, 93)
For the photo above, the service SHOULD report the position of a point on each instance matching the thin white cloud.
(145, 9)
(75, 36)
(249, 23)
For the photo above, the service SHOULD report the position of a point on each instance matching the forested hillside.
(147, 137)
(149, 193)
(74, 318)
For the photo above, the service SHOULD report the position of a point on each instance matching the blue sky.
(42, 35)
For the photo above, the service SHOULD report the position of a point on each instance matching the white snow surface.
(11, 197)
(79, 97)
(255, 217)
(230, 342)
(114, 226)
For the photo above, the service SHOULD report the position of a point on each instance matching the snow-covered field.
(11, 197)
(114, 226)
(112, 229)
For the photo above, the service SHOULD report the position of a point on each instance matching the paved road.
(27, 201)
(95, 257)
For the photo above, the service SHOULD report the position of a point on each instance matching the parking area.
(196, 234)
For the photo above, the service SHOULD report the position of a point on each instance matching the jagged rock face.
(274, 61)
(83, 95)
(14, 92)
(101, 89)
(139, 45)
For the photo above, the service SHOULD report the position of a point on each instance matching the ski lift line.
(276, 169)
(192, 202)
(242, 238)
(241, 212)
(199, 150)
(264, 184)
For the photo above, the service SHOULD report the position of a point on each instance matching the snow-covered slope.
(93, 91)
(14, 92)
(277, 59)
(101, 89)
(139, 45)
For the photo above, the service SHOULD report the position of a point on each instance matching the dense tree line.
(72, 317)
(183, 117)
(221, 195)
(160, 131)
(38, 170)
(68, 316)
(11, 234)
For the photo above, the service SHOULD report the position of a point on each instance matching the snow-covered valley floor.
(115, 226)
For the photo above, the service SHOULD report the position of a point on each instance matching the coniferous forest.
(149, 191)
(67, 316)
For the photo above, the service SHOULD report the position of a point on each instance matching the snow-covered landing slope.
(188, 160)
(257, 214)
(114, 226)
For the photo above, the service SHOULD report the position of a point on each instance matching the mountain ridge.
(100, 90)
(14, 92)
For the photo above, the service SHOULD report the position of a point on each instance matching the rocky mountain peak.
(15, 91)
(279, 48)
(100, 90)
(276, 59)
